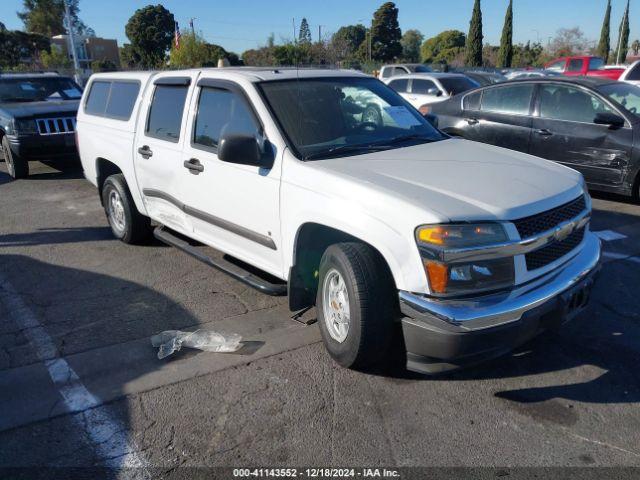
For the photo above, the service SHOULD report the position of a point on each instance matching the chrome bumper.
(495, 310)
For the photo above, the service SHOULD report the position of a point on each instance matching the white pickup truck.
(381, 221)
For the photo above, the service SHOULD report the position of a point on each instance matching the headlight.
(467, 277)
(22, 126)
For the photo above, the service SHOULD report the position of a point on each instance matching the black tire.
(371, 300)
(128, 224)
(16, 166)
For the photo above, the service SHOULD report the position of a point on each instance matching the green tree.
(304, 35)
(604, 45)
(444, 47)
(195, 52)
(17, 46)
(345, 42)
(129, 58)
(411, 42)
(505, 54)
(635, 47)
(473, 54)
(46, 17)
(55, 59)
(623, 39)
(151, 31)
(386, 34)
(104, 65)
(529, 55)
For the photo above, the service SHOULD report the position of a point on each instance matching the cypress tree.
(505, 54)
(604, 46)
(473, 56)
(386, 33)
(623, 39)
(304, 36)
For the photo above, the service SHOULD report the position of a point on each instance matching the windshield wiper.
(405, 138)
(345, 149)
(18, 99)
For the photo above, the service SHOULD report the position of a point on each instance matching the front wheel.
(17, 166)
(355, 304)
(127, 223)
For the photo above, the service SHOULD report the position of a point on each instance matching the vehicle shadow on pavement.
(51, 236)
(80, 311)
(597, 354)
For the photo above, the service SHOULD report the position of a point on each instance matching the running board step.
(236, 271)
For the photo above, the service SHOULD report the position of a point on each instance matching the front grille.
(541, 222)
(553, 252)
(56, 126)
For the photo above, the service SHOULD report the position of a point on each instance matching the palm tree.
(635, 46)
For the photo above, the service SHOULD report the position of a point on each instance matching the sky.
(238, 25)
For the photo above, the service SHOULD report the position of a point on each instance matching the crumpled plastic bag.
(171, 341)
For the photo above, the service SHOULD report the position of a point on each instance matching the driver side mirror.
(607, 118)
(243, 150)
(434, 91)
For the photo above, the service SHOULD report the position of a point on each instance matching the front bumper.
(44, 147)
(443, 335)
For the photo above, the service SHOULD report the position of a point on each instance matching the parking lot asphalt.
(81, 384)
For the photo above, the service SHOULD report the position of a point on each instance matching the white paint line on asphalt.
(609, 235)
(621, 256)
(107, 433)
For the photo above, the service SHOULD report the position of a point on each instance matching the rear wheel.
(355, 303)
(127, 223)
(16, 166)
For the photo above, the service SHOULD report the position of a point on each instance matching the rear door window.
(400, 85)
(422, 87)
(596, 63)
(165, 113)
(472, 101)
(513, 99)
(559, 102)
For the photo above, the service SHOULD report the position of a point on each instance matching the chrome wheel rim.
(116, 211)
(371, 115)
(335, 305)
(7, 159)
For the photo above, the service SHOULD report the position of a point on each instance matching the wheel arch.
(310, 242)
(104, 169)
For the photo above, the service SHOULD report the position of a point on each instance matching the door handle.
(544, 132)
(145, 151)
(194, 166)
(472, 121)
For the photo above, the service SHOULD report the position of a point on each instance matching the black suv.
(37, 119)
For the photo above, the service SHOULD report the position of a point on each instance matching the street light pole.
(72, 42)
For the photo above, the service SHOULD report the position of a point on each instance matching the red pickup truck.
(585, 65)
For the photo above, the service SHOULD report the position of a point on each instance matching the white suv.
(470, 249)
(425, 89)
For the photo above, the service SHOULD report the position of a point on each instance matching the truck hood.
(31, 109)
(458, 180)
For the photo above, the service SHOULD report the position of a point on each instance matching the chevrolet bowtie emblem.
(564, 231)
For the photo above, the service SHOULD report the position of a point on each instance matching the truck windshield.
(327, 117)
(35, 89)
(628, 96)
